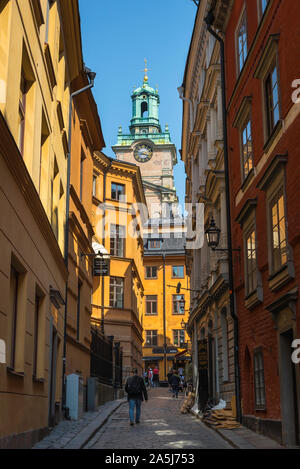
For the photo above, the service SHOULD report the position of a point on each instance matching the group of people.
(176, 381)
(151, 377)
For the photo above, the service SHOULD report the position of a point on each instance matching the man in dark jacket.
(136, 390)
(174, 381)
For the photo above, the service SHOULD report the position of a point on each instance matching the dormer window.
(154, 244)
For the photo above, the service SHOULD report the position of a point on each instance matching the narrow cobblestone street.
(162, 427)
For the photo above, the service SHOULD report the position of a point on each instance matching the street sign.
(101, 267)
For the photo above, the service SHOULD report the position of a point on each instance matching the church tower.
(151, 149)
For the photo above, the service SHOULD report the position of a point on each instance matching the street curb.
(234, 445)
(89, 432)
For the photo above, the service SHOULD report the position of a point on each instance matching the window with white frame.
(241, 42)
(272, 98)
(278, 227)
(251, 266)
(116, 293)
(178, 337)
(247, 149)
(117, 240)
(151, 305)
(259, 380)
(151, 338)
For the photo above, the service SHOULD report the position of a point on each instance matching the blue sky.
(117, 36)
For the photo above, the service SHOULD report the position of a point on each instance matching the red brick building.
(262, 47)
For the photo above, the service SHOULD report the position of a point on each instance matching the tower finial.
(146, 71)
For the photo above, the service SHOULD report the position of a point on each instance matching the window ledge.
(38, 380)
(273, 135)
(247, 181)
(254, 298)
(281, 277)
(12, 371)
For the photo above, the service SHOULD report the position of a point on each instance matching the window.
(247, 149)
(94, 186)
(116, 294)
(241, 40)
(39, 334)
(151, 305)
(55, 197)
(117, 191)
(44, 161)
(14, 288)
(178, 337)
(36, 331)
(151, 338)
(259, 380)
(81, 174)
(151, 272)
(279, 238)
(250, 262)
(262, 6)
(79, 308)
(48, 19)
(178, 271)
(178, 304)
(272, 99)
(117, 240)
(22, 111)
(154, 244)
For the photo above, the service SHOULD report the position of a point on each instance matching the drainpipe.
(91, 75)
(103, 242)
(164, 314)
(209, 20)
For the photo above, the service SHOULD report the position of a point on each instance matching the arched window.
(144, 109)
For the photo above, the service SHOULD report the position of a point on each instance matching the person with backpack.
(137, 392)
(175, 381)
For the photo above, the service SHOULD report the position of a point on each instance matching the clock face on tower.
(143, 153)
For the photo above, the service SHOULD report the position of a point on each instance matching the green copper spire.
(145, 122)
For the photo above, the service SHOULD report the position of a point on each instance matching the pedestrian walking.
(150, 377)
(156, 377)
(180, 371)
(137, 392)
(146, 378)
(175, 381)
(169, 376)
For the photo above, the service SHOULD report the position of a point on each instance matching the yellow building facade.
(118, 205)
(165, 310)
(40, 56)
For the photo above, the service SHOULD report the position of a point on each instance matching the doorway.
(289, 401)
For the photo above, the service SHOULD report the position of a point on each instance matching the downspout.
(103, 242)
(164, 314)
(209, 21)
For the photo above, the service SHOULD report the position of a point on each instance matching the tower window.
(144, 109)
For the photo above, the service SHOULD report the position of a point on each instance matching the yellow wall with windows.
(172, 321)
(123, 322)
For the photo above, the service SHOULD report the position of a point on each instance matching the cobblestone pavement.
(162, 427)
(69, 434)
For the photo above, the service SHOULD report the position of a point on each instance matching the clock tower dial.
(143, 153)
